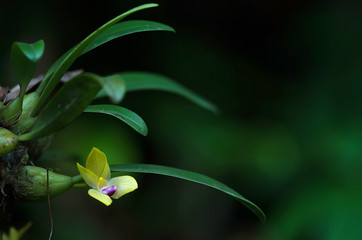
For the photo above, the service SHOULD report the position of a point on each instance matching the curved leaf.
(68, 103)
(150, 81)
(51, 80)
(24, 58)
(116, 31)
(32, 51)
(126, 28)
(127, 116)
(113, 87)
(190, 176)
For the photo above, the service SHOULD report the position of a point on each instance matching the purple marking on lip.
(109, 190)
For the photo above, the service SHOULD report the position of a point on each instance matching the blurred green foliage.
(287, 79)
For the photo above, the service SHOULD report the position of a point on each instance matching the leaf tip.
(144, 131)
(214, 109)
(153, 4)
(209, 106)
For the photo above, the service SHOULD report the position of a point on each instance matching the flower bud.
(32, 183)
(8, 141)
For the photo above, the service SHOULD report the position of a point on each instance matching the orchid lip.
(109, 190)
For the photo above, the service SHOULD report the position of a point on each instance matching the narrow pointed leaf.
(24, 58)
(113, 87)
(127, 116)
(190, 176)
(116, 31)
(150, 81)
(52, 69)
(68, 103)
(126, 28)
(52, 79)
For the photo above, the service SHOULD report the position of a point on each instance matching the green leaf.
(24, 58)
(116, 31)
(51, 79)
(150, 81)
(126, 28)
(127, 116)
(190, 176)
(69, 102)
(113, 87)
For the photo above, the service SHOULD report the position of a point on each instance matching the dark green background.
(287, 77)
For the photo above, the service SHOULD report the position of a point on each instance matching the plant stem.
(76, 179)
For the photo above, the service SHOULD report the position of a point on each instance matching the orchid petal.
(124, 184)
(89, 177)
(97, 163)
(102, 183)
(106, 173)
(100, 196)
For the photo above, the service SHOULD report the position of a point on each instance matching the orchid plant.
(39, 107)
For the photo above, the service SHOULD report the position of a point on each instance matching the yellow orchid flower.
(97, 175)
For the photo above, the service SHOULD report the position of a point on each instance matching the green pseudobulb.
(33, 185)
(8, 141)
